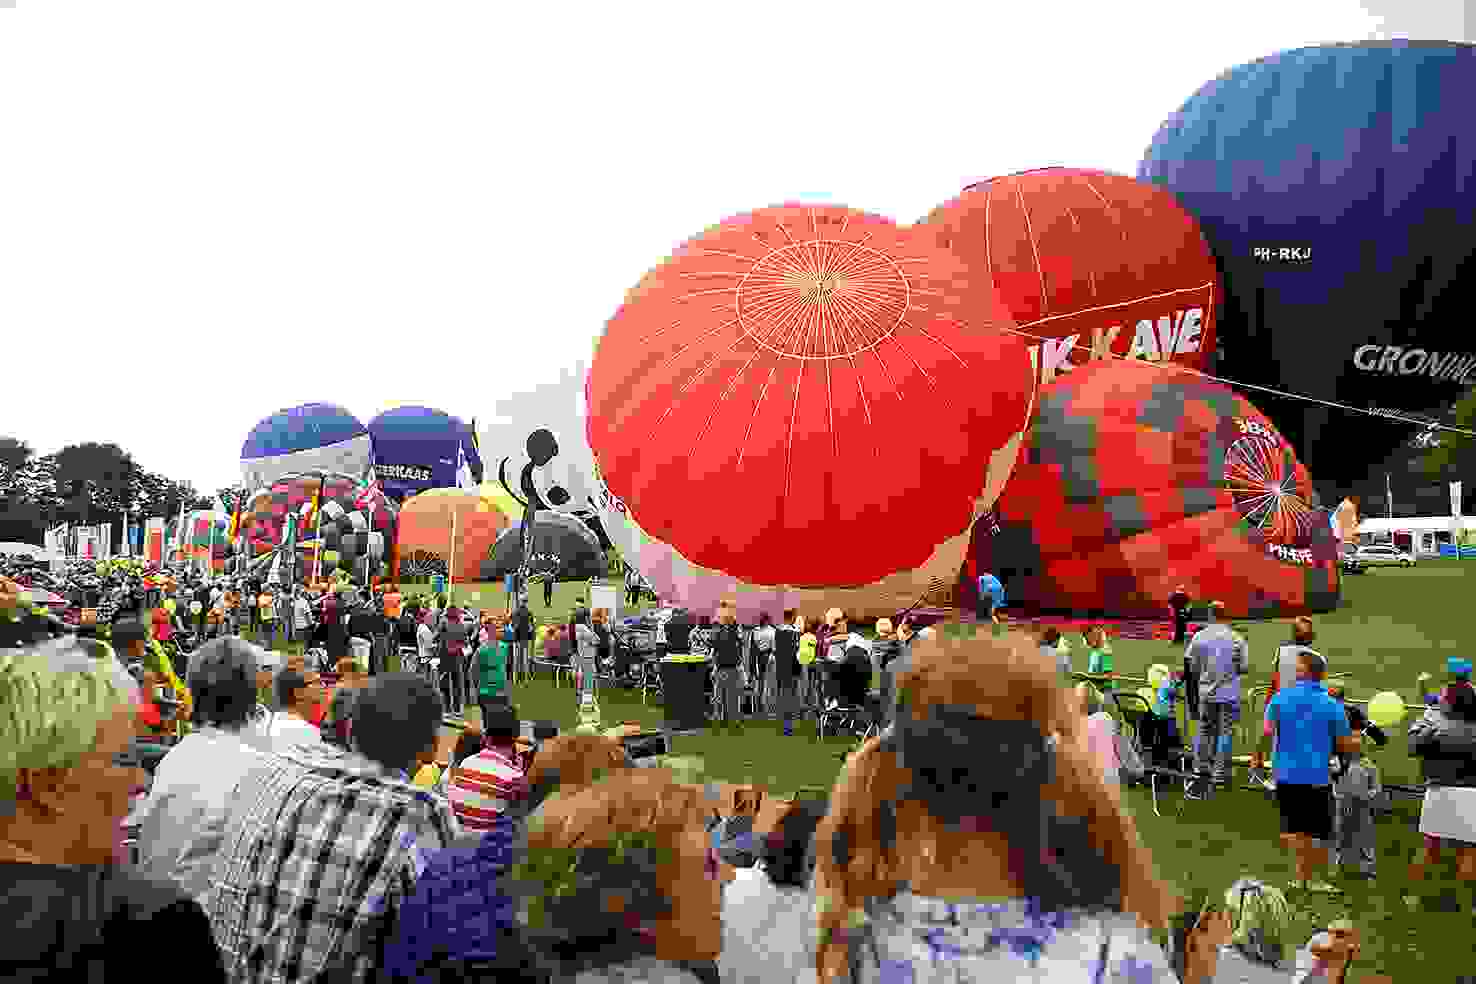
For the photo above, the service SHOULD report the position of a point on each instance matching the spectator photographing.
(64, 792)
(1308, 727)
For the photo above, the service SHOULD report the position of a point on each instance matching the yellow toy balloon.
(1148, 694)
(169, 605)
(1386, 709)
(1158, 675)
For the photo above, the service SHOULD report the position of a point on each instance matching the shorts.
(1449, 813)
(1306, 810)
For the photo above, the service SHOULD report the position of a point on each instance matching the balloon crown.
(1458, 666)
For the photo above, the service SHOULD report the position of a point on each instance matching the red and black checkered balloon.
(1138, 478)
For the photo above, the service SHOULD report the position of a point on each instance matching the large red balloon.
(1089, 262)
(1136, 479)
(807, 396)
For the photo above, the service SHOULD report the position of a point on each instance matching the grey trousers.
(726, 680)
(1355, 839)
(1215, 741)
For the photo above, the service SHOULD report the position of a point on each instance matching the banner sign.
(1455, 499)
(154, 541)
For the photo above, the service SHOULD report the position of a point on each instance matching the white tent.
(1424, 534)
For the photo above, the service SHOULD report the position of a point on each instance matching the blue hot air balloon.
(1336, 186)
(418, 448)
(315, 437)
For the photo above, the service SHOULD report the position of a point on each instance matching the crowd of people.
(296, 833)
(1325, 781)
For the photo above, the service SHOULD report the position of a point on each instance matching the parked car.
(1384, 556)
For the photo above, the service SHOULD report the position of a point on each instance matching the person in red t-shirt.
(163, 627)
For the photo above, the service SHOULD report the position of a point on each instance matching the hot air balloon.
(347, 526)
(426, 531)
(310, 438)
(1094, 264)
(418, 448)
(808, 396)
(563, 548)
(1334, 185)
(1136, 479)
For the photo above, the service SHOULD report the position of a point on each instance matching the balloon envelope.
(416, 448)
(1094, 264)
(796, 379)
(1386, 709)
(312, 437)
(562, 546)
(1335, 186)
(1136, 479)
(426, 527)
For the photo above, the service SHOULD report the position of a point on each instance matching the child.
(1165, 706)
(1099, 654)
(1355, 788)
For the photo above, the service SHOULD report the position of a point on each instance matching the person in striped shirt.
(491, 782)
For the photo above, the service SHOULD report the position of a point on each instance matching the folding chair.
(860, 720)
(561, 670)
(1256, 778)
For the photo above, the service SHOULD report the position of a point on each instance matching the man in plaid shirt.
(323, 850)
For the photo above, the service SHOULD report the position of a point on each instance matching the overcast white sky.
(209, 212)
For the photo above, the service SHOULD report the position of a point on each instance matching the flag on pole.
(1389, 495)
(369, 495)
(451, 567)
(464, 479)
(235, 529)
(1455, 499)
(316, 504)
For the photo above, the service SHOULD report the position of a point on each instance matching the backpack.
(786, 654)
(455, 639)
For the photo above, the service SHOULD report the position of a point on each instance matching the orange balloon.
(425, 527)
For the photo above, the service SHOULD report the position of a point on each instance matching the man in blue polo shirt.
(991, 596)
(1308, 727)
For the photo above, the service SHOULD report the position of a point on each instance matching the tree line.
(82, 484)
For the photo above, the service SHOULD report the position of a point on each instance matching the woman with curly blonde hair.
(978, 840)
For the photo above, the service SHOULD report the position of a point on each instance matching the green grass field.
(1394, 624)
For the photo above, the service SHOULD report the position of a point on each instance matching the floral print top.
(916, 940)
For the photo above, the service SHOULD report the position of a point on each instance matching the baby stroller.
(849, 707)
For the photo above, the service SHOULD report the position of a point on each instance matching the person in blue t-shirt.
(1308, 727)
(991, 596)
